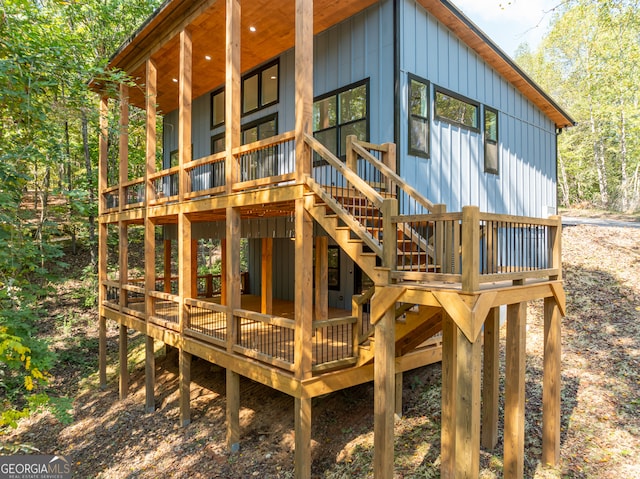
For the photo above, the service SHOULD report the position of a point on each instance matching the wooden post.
(439, 256)
(302, 459)
(491, 379)
(123, 145)
(102, 238)
(389, 159)
(303, 291)
(389, 233)
(151, 143)
(102, 351)
(470, 249)
(398, 401)
(124, 370)
(449, 394)
(185, 387)
(551, 386)
(103, 154)
(304, 84)
(322, 278)
(232, 91)
(223, 272)
(185, 267)
(266, 276)
(514, 391)
(184, 109)
(384, 398)
(555, 246)
(150, 374)
(233, 411)
(194, 268)
(351, 159)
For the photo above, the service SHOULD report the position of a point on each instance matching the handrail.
(165, 296)
(256, 145)
(351, 176)
(324, 323)
(265, 318)
(205, 160)
(364, 154)
(135, 181)
(162, 173)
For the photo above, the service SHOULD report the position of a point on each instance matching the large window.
(217, 108)
(260, 88)
(418, 116)
(456, 109)
(260, 129)
(341, 113)
(491, 157)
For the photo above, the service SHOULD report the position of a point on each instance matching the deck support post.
(491, 380)
(167, 266)
(232, 91)
(102, 351)
(124, 366)
(304, 85)
(514, 391)
(551, 416)
(303, 438)
(398, 398)
(185, 387)
(266, 276)
(322, 278)
(233, 411)
(384, 374)
(150, 374)
(184, 112)
(102, 238)
(460, 402)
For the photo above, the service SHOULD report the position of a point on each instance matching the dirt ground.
(109, 438)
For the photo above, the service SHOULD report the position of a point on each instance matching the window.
(264, 162)
(341, 113)
(260, 88)
(456, 109)
(217, 108)
(333, 268)
(260, 129)
(491, 159)
(217, 143)
(418, 117)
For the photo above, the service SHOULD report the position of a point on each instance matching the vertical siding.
(455, 172)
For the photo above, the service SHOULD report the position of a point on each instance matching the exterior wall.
(454, 174)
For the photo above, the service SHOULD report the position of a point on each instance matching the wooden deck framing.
(434, 271)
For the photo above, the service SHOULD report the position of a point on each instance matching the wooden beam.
(266, 277)
(304, 85)
(232, 98)
(102, 351)
(185, 387)
(303, 291)
(185, 267)
(233, 411)
(124, 367)
(123, 260)
(467, 406)
(514, 391)
(491, 380)
(322, 278)
(102, 276)
(151, 124)
(449, 394)
(150, 375)
(384, 397)
(398, 399)
(184, 109)
(232, 273)
(551, 414)
(223, 272)
(470, 249)
(302, 421)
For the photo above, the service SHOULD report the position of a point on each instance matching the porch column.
(322, 278)
(232, 98)
(491, 379)
(304, 84)
(149, 231)
(167, 266)
(185, 262)
(102, 238)
(266, 276)
(303, 335)
(514, 391)
(233, 301)
(551, 386)
(124, 274)
(460, 436)
(184, 112)
(123, 145)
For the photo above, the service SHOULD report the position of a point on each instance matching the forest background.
(588, 61)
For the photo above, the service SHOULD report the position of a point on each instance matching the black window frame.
(411, 117)
(490, 141)
(214, 138)
(456, 96)
(338, 126)
(258, 72)
(213, 95)
(257, 122)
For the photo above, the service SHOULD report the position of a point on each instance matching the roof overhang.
(477, 40)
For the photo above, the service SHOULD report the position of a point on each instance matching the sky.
(510, 23)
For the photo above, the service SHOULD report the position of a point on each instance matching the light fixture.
(175, 80)
(207, 57)
(252, 28)
(274, 77)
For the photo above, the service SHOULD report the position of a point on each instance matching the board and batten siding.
(454, 173)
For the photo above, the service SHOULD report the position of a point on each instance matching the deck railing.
(166, 186)
(111, 197)
(206, 321)
(334, 342)
(206, 176)
(264, 337)
(134, 193)
(164, 309)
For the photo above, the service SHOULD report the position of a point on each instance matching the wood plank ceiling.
(272, 20)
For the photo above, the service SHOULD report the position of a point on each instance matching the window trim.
(338, 125)
(258, 122)
(410, 116)
(486, 140)
(437, 89)
(258, 71)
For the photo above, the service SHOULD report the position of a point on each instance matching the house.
(387, 172)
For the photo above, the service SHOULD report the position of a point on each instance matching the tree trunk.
(564, 184)
(624, 186)
(93, 246)
(598, 154)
